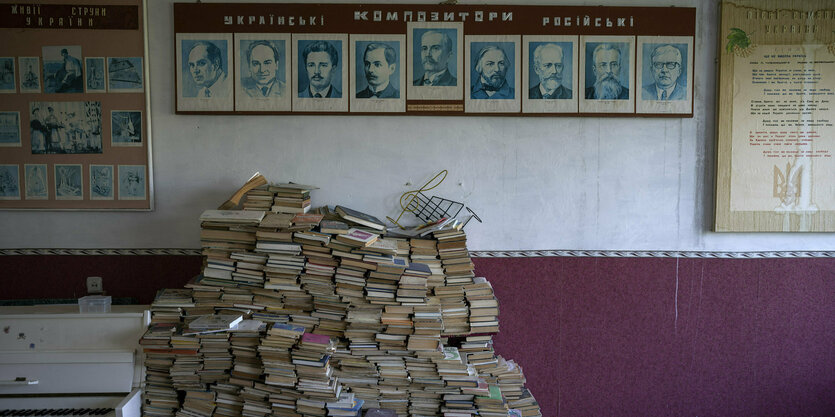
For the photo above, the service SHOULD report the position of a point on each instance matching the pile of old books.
(326, 312)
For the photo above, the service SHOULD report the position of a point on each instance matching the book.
(380, 412)
(334, 227)
(360, 218)
(316, 338)
(357, 237)
(292, 187)
(215, 321)
(232, 216)
(311, 219)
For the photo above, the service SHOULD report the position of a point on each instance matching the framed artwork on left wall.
(75, 125)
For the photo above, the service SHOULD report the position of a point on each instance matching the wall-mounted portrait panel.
(607, 68)
(263, 66)
(493, 74)
(320, 77)
(436, 61)
(549, 74)
(665, 74)
(204, 75)
(379, 73)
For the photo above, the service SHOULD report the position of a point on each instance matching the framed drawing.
(262, 64)
(378, 73)
(125, 75)
(37, 181)
(436, 52)
(10, 129)
(493, 65)
(7, 75)
(30, 78)
(204, 73)
(664, 74)
(320, 77)
(95, 74)
(608, 70)
(550, 82)
(76, 108)
(776, 140)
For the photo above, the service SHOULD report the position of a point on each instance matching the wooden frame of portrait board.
(440, 82)
(65, 91)
(775, 134)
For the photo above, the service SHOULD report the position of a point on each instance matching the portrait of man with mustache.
(549, 66)
(436, 49)
(490, 81)
(606, 64)
(321, 63)
(379, 64)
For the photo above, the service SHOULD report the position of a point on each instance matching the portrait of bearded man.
(607, 63)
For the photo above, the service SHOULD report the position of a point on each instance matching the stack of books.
(336, 316)
(291, 198)
(259, 199)
(452, 250)
(222, 233)
(484, 308)
(346, 406)
(312, 358)
(187, 362)
(170, 304)
(159, 395)
(274, 349)
(492, 404)
(198, 404)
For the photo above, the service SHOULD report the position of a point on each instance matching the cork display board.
(74, 107)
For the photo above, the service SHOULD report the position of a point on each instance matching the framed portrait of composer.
(262, 69)
(436, 60)
(494, 76)
(549, 74)
(664, 74)
(377, 82)
(320, 76)
(607, 68)
(204, 72)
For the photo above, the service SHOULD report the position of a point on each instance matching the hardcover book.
(360, 217)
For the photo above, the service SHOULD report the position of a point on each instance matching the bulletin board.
(776, 140)
(74, 107)
(441, 60)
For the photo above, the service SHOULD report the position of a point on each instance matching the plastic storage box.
(94, 304)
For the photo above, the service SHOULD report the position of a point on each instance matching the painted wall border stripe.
(474, 254)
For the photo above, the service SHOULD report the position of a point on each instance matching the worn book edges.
(360, 218)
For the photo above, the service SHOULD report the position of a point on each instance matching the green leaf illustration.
(738, 38)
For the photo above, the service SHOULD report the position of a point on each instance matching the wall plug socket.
(94, 285)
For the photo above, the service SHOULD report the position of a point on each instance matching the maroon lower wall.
(599, 336)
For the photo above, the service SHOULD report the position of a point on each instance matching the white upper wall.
(538, 183)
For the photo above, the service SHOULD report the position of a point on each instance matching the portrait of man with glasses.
(665, 65)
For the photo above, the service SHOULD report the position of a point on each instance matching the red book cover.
(316, 338)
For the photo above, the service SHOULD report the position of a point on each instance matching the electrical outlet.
(94, 285)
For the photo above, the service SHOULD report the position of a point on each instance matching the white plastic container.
(94, 304)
